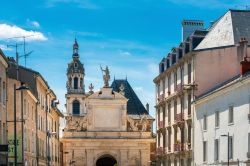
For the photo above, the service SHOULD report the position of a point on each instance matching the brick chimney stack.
(245, 63)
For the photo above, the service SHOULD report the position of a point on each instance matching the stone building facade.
(3, 105)
(222, 123)
(107, 127)
(205, 59)
(37, 118)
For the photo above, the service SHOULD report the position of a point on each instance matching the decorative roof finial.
(91, 87)
(106, 76)
(122, 88)
(75, 48)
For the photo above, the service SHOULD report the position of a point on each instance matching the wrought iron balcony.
(161, 98)
(160, 124)
(159, 151)
(179, 88)
(179, 147)
(179, 117)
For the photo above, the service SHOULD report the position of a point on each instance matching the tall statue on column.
(106, 76)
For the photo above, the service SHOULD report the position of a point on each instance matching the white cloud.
(125, 53)
(33, 23)
(5, 48)
(11, 31)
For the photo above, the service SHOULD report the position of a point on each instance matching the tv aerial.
(25, 55)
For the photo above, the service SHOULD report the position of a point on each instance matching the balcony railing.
(179, 147)
(179, 88)
(160, 124)
(179, 117)
(159, 151)
(161, 98)
(75, 91)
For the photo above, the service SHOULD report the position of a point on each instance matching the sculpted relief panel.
(76, 123)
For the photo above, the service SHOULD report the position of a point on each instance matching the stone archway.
(106, 160)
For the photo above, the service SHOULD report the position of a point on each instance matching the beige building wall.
(104, 132)
(3, 106)
(27, 124)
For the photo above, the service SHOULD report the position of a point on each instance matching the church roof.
(134, 106)
(227, 30)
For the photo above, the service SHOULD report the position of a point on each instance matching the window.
(169, 113)
(175, 162)
(159, 139)
(0, 89)
(230, 139)
(169, 140)
(168, 63)
(1, 131)
(217, 119)
(189, 160)
(4, 93)
(75, 64)
(231, 115)
(189, 133)
(204, 151)
(76, 107)
(189, 104)
(205, 122)
(24, 107)
(182, 75)
(163, 87)
(216, 150)
(4, 134)
(189, 73)
(169, 84)
(175, 81)
(248, 142)
(75, 83)
(175, 109)
(173, 59)
(182, 106)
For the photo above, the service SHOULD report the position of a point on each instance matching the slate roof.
(227, 30)
(25, 75)
(134, 106)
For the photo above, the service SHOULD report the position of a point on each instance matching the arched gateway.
(106, 160)
(107, 127)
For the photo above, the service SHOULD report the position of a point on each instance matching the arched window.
(76, 107)
(75, 83)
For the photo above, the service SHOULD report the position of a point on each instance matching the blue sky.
(130, 36)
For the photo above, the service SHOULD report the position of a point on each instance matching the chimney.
(245, 63)
(189, 26)
(147, 107)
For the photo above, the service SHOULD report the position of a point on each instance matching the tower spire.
(75, 49)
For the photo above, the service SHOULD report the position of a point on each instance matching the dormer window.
(75, 65)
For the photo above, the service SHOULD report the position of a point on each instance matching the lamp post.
(224, 135)
(49, 135)
(21, 88)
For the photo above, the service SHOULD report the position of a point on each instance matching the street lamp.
(224, 135)
(21, 88)
(49, 134)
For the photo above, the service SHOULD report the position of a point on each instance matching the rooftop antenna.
(24, 47)
(17, 57)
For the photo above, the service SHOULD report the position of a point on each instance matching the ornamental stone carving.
(133, 124)
(76, 123)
